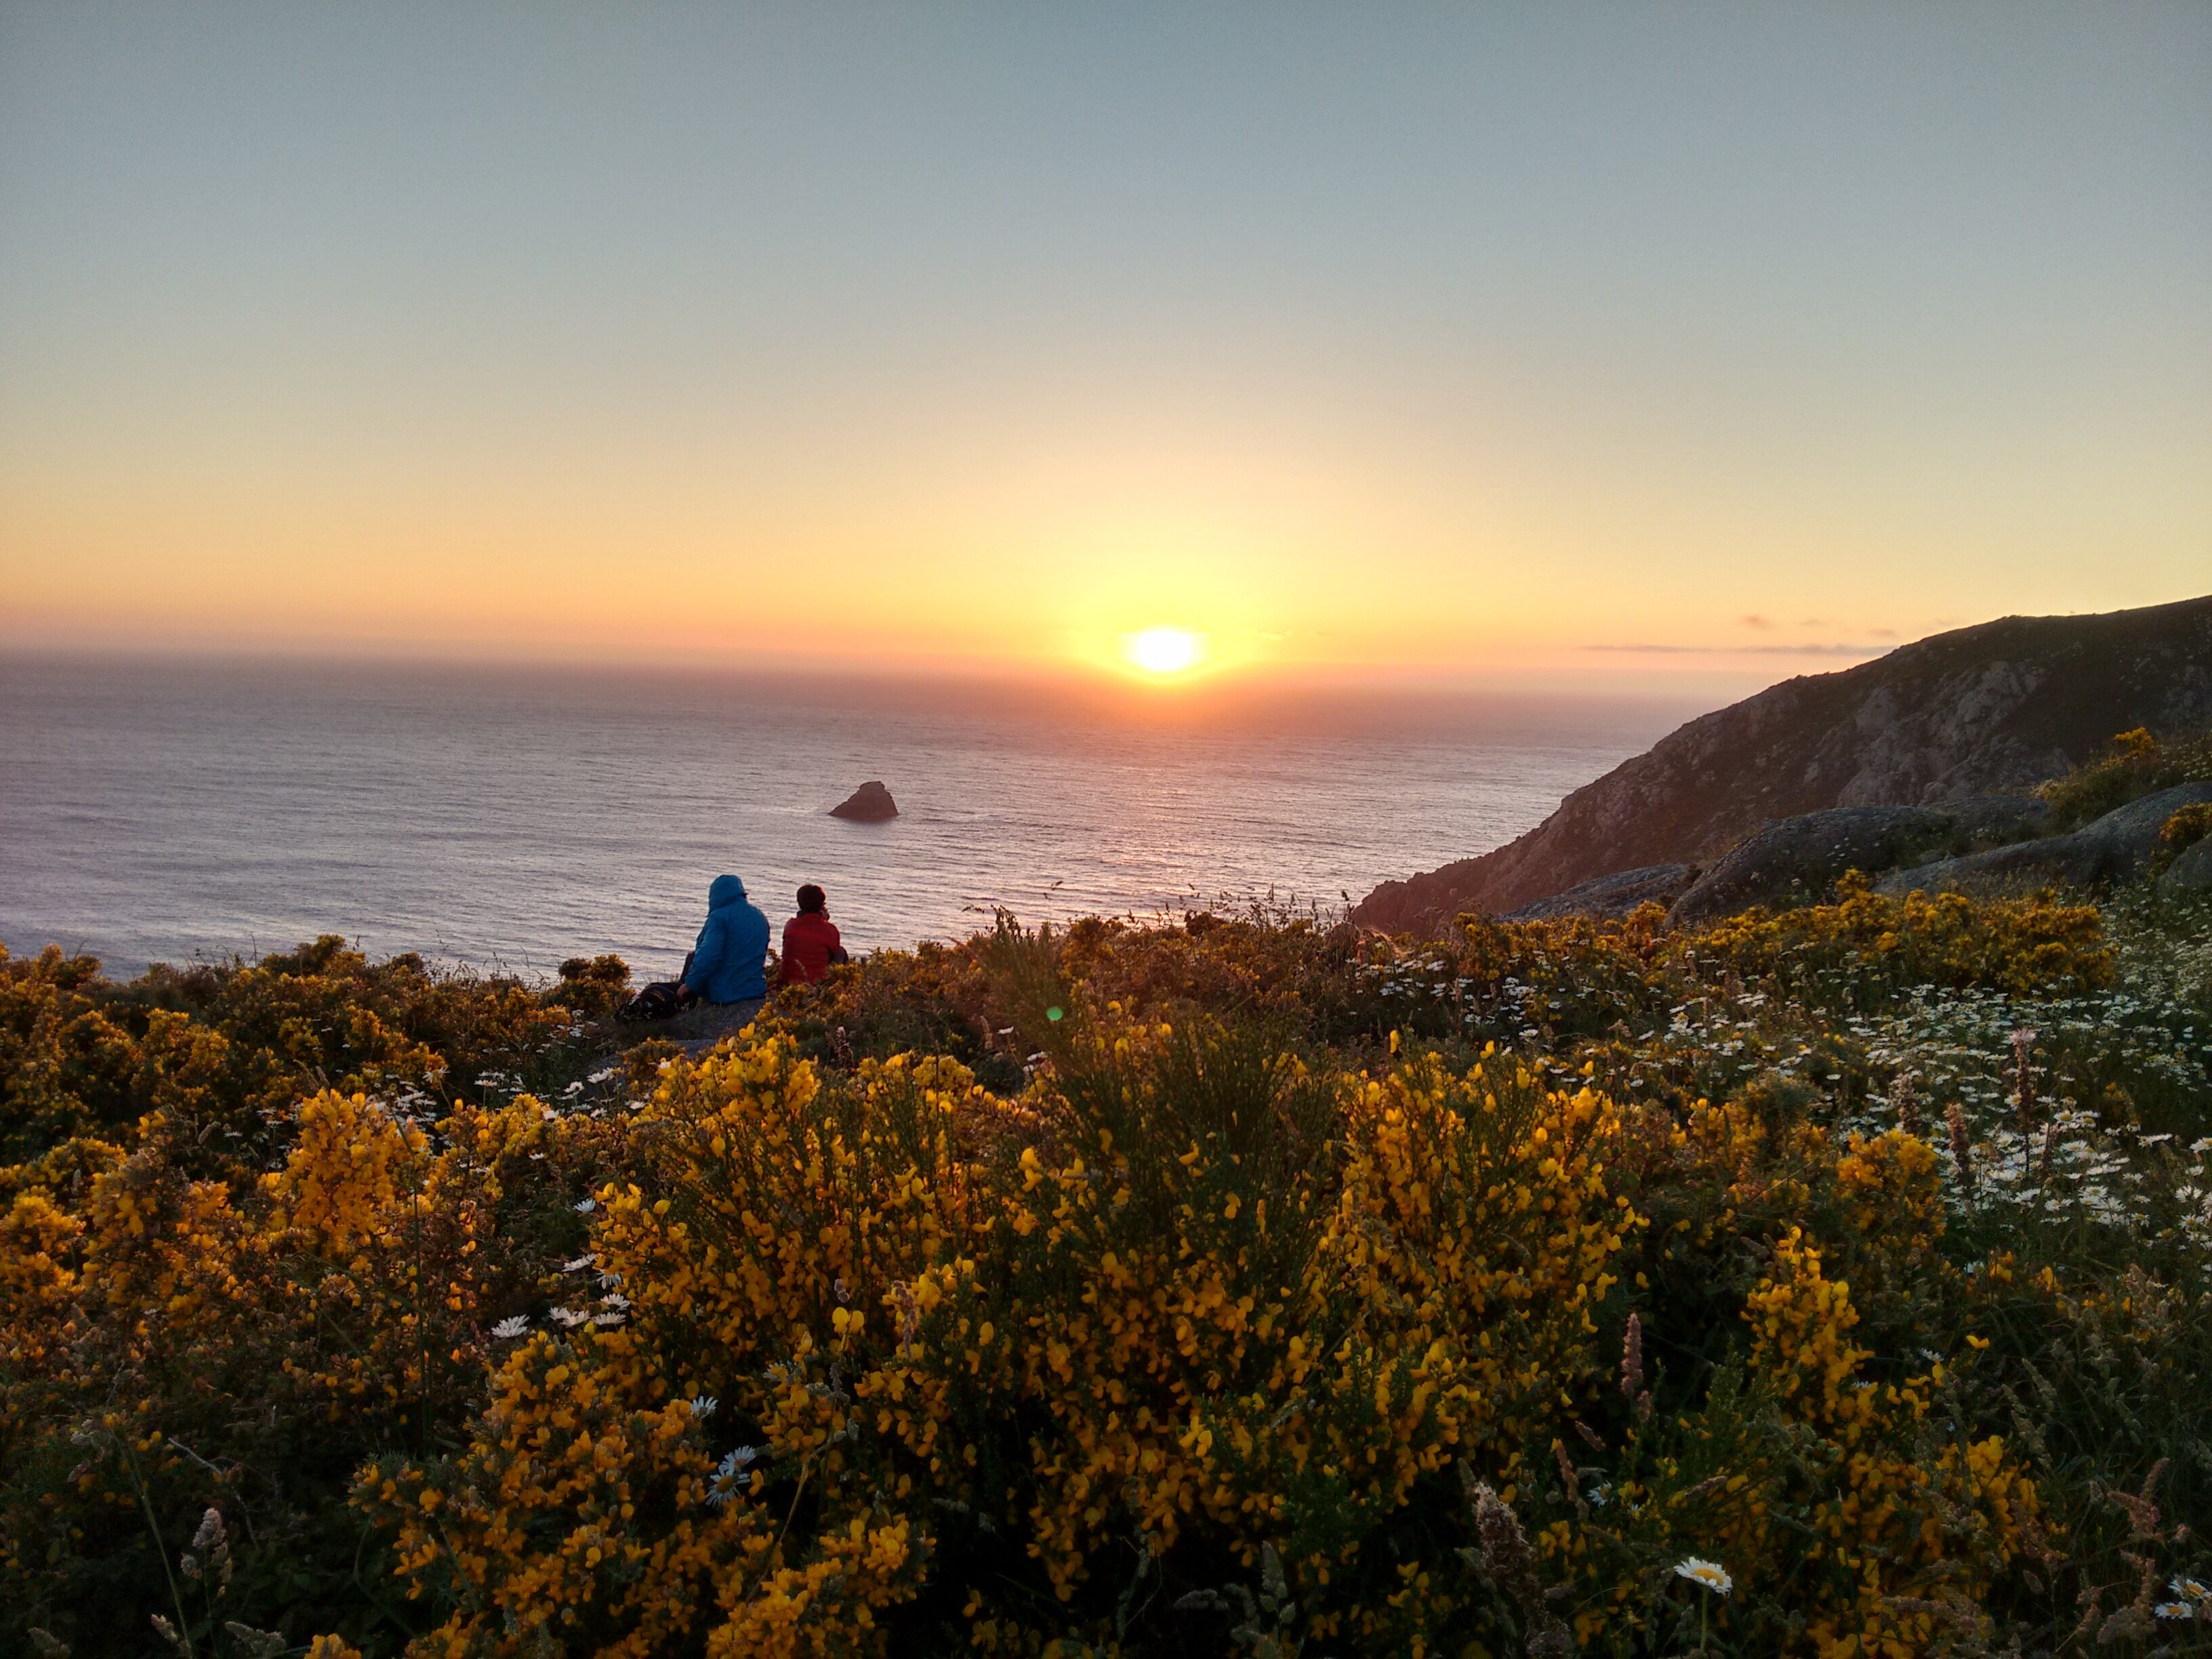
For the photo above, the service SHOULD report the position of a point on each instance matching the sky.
(1562, 344)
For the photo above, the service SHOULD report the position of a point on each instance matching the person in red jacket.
(810, 945)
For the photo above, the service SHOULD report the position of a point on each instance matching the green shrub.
(2140, 764)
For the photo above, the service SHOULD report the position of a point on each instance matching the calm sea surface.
(156, 811)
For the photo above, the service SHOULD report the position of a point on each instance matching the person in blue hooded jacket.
(728, 970)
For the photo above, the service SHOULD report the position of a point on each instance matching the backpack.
(662, 999)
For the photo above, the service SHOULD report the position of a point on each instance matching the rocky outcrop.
(1797, 860)
(870, 804)
(2118, 847)
(1612, 898)
(2192, 872)
(1979, 711)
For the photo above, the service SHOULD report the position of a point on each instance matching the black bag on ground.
(662, 999)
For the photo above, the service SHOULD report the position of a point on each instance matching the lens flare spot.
(1164, 650)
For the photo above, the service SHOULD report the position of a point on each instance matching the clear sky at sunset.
(1460, 339)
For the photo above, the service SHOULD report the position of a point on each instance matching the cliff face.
(1979, 711)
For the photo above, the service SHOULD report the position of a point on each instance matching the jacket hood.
(726, 890)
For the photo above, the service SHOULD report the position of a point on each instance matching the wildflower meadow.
(1828, 1282)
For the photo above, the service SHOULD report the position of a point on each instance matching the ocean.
(510, 818)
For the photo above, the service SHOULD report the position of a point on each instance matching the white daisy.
(1705, 1575)
(726, 1475)
(508, 1329)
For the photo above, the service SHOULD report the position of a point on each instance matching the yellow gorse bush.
(1188, 1330)
(1893, 1526)
(875, 1335)
(341, 1289)
(922, 1302)
(1941, 939)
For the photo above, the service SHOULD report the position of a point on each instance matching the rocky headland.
(1738, 805)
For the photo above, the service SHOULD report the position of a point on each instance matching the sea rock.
(1610, 898)
(870, 804)
(2192, 872)
(1797, 860)
(1977, 711)
(2116, 848)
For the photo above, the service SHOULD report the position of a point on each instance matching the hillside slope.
(1977, 711)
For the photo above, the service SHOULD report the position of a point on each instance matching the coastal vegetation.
(1832, 1280)
(2138, 765)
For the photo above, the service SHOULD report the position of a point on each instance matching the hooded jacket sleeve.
(706, 954)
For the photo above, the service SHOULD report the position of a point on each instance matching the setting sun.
(1164, 650)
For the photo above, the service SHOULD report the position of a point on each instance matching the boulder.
(1612, 898)
(2192, 872)
(870, 804)
(1796, 860)
(1994, 820)
(2116, 848)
